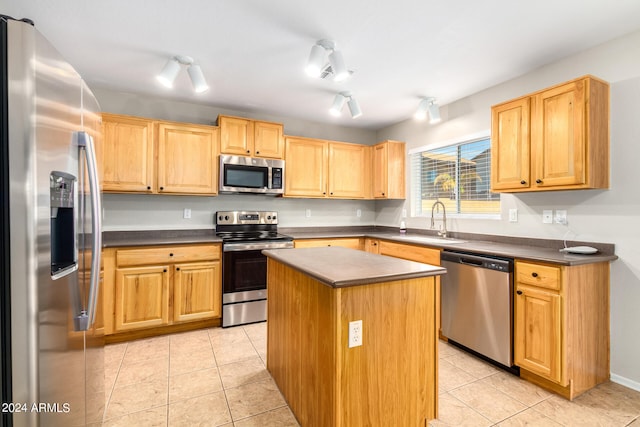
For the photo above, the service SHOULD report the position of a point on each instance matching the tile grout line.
(224, 392)
(113, 386)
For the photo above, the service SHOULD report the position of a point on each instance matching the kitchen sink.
(430, 239)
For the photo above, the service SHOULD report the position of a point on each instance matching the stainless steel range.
(244, 269)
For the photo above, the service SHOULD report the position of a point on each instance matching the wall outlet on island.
(355, 333)
(307, 213)
(186, 214)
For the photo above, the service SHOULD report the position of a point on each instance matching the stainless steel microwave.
(240, 174)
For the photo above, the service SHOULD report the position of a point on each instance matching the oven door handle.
(236, 247)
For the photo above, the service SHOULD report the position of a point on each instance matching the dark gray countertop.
(158, 237)
(543, 250)
(341, 267)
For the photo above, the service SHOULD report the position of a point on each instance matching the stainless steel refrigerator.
(52, 353)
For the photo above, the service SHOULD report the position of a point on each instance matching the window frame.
(415, 178)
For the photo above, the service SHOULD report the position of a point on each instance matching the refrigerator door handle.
(87, 147)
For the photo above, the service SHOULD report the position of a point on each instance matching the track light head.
(169, 73)
(197, 78)
(338, 103)
(340, 72)
(354, 108)
(316, 61)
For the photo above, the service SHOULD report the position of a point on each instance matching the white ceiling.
(253, 52)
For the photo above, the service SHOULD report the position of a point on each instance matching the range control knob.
(268, 217)
(219, 217)
(274, 217)
(226, 217)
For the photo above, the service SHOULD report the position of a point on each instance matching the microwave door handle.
(87, 147)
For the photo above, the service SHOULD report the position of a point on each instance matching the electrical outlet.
(186, 214)
(307, 213)
(355, 333)
(513, 215)
(358, 213)
(547, 217)
(561, 217)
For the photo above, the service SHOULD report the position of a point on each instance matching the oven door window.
(244, 271)
(242, 176)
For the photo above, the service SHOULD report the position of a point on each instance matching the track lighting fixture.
(339, 101)
(318, 67)
(428, 105)
(170, 71)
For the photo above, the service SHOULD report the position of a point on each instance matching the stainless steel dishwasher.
(477, 304)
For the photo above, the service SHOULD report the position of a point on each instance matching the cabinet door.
(187, 161)
(348, 170)
(388, 175)
(268, 140)
(510, 150)
(197, 291)
(371, 245)
(236, 136)
(306, 173)
(558, 135)
(127, 154)
(380, 154)
(538, 339)
(142, 297)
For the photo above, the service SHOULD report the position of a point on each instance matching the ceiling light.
(170, 71)
(428, 105)
(354, 108)
(316, 61)
(317, 66)
(197, 78)
(338, 103)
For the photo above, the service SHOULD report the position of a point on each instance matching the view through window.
(458, 175)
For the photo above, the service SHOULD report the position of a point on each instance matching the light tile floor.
(217, 377)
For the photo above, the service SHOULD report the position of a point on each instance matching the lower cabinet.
(561, 325)
(161, 286)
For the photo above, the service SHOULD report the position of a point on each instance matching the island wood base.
(390, 380)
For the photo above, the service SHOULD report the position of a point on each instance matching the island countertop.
(341, 267)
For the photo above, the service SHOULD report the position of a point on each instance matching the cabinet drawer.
(544, 276)
(347, 242)
(167, 254)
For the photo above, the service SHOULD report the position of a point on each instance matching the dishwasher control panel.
(504, 265)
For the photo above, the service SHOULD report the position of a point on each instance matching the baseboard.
(635, 385)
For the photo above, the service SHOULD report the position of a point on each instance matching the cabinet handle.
(148, 187)
(519, 292)
(257, 152)
(538, 181)
(171, 254)
(162, 188)
(164, 271)
(534, 274)
(248, 151)
(383, 194)
(324, 193)
(523, 182)
(177, 268)
(331, 194)
(375, 244)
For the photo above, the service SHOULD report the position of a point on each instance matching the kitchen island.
(391, 378)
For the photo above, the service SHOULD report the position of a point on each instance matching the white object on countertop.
(403, 227)
(584, 250)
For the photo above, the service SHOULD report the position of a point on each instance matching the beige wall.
(593, 215)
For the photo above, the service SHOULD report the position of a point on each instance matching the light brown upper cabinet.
(554, 139)
(127, 154)
(388, 170)
(146, 156)
(187, 158)
(319, 168)
(252, 138)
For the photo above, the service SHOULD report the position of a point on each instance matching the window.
(458, 175)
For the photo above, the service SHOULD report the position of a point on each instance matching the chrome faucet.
(443, 228)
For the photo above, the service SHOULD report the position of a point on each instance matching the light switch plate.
(561, 217)
(186, 214)
(547, 217)
(513, 215)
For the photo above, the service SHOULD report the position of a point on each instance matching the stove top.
(248, 226)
